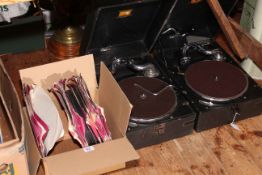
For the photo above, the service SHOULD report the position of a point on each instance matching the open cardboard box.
(67, 157)
(12, 155)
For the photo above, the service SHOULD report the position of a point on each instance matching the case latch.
(160, 129)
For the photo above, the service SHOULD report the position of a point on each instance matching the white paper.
(9, 11)
(235, 126)
(88, 149)
(233, 123)
(252, 69)
(46, 110)
(256, 28)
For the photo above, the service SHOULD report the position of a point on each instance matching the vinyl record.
(216, 80)
(153, 99)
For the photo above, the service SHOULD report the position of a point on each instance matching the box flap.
(32, 152)
(103, 157)
(11, 102)
(7, 145)
(7, 129)
(46, 75)
(116, 105)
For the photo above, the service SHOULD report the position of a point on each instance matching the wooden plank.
(252, 47)
(233, 156)
(226, 28)
(158, 159)
(199, 158)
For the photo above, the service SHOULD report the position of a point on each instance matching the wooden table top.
(222, 150)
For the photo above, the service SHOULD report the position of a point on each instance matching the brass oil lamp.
(69, 15)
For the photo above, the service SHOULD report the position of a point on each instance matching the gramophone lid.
(126, 29)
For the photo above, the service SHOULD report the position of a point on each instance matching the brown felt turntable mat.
(152, 98)
(216, 80)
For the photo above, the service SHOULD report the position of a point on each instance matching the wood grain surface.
(219, 151)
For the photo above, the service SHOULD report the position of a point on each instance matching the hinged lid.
(125, 30)
(196, 18)
(11, 103)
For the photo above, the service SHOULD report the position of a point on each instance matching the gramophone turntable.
(215, 85)
(122, 36)
(217, 88)
(160, 112)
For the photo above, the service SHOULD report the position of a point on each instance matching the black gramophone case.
(194, 24)
(129, 31)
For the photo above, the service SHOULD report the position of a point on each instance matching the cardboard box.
(67, 157)
(12, 154)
